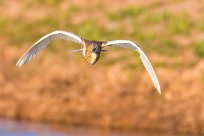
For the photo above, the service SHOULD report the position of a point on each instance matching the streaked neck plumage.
(92, 50)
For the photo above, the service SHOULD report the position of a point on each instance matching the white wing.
(44, 41)
(146, 62)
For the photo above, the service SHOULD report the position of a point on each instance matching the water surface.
(18, 128)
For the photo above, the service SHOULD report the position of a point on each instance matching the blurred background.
(61, 88)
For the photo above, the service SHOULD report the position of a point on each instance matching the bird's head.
(92, 52)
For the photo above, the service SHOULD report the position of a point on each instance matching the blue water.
(18, 128)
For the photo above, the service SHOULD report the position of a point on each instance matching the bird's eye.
(94, 49)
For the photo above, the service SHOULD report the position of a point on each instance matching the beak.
(104, 50)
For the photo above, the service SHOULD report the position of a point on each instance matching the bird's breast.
(90, 56)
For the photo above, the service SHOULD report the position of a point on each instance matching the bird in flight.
(91, 50)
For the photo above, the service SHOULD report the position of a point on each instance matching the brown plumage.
(92, 50)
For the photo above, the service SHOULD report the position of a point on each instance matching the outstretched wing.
(44, 41)
(146, 62)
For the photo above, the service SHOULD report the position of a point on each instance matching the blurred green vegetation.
(90, 30)
(180, 24)
(130, 12)
(154, 32)
(166, 46)
(199, 48)
(158, 18)
(31, 3)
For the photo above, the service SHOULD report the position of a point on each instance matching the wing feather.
(44, 41)
(145, 61)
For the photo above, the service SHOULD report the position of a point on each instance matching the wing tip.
(158, 90)
(18, 64)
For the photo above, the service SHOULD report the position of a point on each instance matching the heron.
(91, 50)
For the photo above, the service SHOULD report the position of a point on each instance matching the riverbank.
(23, 128)
(110, 96)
